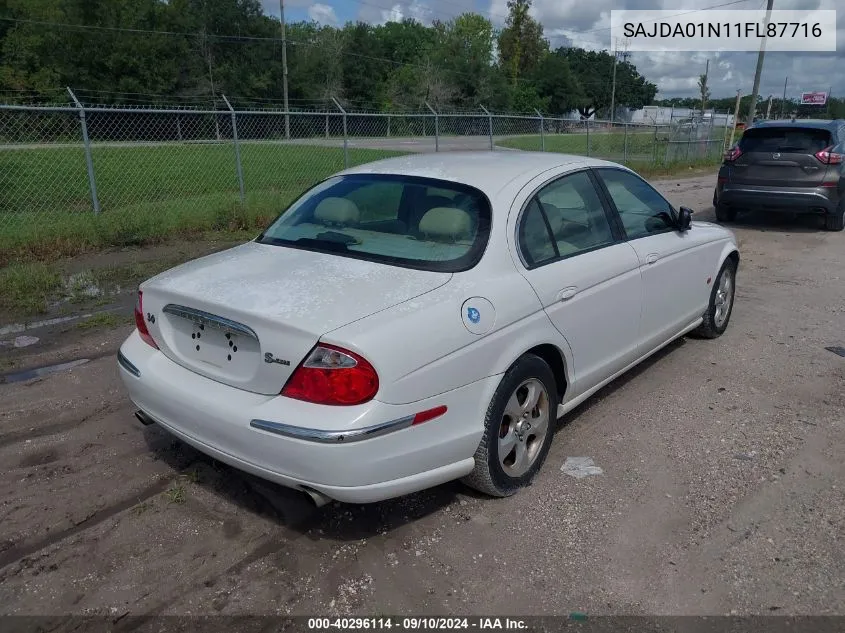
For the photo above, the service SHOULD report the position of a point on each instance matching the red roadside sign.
(813, 98)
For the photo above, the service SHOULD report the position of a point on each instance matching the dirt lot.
(723, 487)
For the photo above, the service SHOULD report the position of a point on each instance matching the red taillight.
(332, 375)
(141, 324)
(829, 158)
(830, 185)
(732, 154)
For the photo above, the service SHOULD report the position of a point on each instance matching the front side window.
(564, 218)
(401, 220)
(642, 210)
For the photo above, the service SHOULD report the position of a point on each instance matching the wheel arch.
(557, 361)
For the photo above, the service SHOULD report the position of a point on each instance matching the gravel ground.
(723, 488)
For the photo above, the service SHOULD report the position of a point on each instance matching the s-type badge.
(269, 358)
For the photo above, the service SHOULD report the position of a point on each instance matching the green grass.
(648, 157)
(150, 193)
(26, 288)
(104, 320)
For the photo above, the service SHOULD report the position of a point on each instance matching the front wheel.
(518, 429)
(721, 302)
(724, 213)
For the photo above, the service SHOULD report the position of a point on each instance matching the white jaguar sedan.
(422, 319)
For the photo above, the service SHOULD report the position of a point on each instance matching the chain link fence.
(79, 170)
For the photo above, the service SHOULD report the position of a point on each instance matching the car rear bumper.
(788, 199)
(231, 425)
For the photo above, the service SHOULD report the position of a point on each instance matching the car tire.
(715, 199)
(512, 423)
(724, 213)
(721, 303)
(834, 221)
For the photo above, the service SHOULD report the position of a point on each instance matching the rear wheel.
(724, 213)
(715, 199)
(518, 429)
(721, 302)
(834, 221)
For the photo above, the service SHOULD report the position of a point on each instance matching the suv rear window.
(401, 220)
(794, 140)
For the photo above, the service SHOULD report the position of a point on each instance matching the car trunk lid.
(246, 317)
(781, 156)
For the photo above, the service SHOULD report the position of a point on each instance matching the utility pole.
(769, 108)
(704, 88)
(613, 89)
(783, 101)
(752, 108)
(284, 67)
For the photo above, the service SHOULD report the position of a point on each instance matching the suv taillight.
(332, 375)
(829, 158)
(140, 323)
(732, 154)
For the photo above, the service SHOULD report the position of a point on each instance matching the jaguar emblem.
(269, 358)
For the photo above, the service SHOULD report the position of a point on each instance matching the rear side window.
(402, 220)
(794, 140)
(564, 218)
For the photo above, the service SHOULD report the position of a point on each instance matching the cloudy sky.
(586, 23)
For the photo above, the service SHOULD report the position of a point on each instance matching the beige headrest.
(337, 211)
(445, 222)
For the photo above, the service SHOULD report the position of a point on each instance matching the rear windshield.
(401, 220)
(785, 139)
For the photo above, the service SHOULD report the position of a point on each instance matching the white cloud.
(323, 14)
(586, 24)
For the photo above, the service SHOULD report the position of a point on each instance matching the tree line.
(193, 51)
(125, 51)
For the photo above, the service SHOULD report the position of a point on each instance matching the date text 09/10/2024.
(415, 623)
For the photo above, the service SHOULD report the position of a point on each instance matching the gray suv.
(795, 166)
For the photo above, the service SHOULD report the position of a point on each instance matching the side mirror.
(684, 218)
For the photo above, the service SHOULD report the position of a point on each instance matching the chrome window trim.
(127, 365)
(333, 437)
(206, 318)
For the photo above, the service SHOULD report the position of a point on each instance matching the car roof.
(818, 124)
(488, 171)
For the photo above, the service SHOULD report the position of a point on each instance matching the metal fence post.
(489, 125)
(238, 166)
(654, 146)
(436, 128)
(345, 135)
(327, 126)
(388, 126)
(542, 130)
(625, 145)
(589, 140)
(89, 161)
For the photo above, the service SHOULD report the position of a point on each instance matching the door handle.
(567, 293)
(651, 258)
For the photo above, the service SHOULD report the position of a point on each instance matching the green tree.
(594, 70)
(557, 84)
(521, 43)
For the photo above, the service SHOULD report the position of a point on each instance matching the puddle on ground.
(40, 372)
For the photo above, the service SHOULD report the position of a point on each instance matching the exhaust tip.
(143, 418)
(317, 497)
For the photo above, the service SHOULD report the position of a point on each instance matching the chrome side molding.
(333, 437)
(211, 320)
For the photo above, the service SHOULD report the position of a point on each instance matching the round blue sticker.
(473, 315)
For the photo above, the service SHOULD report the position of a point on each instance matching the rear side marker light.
(141, 324)
(828, 157)
(430, 414)
(334, 376)
(829, 184)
